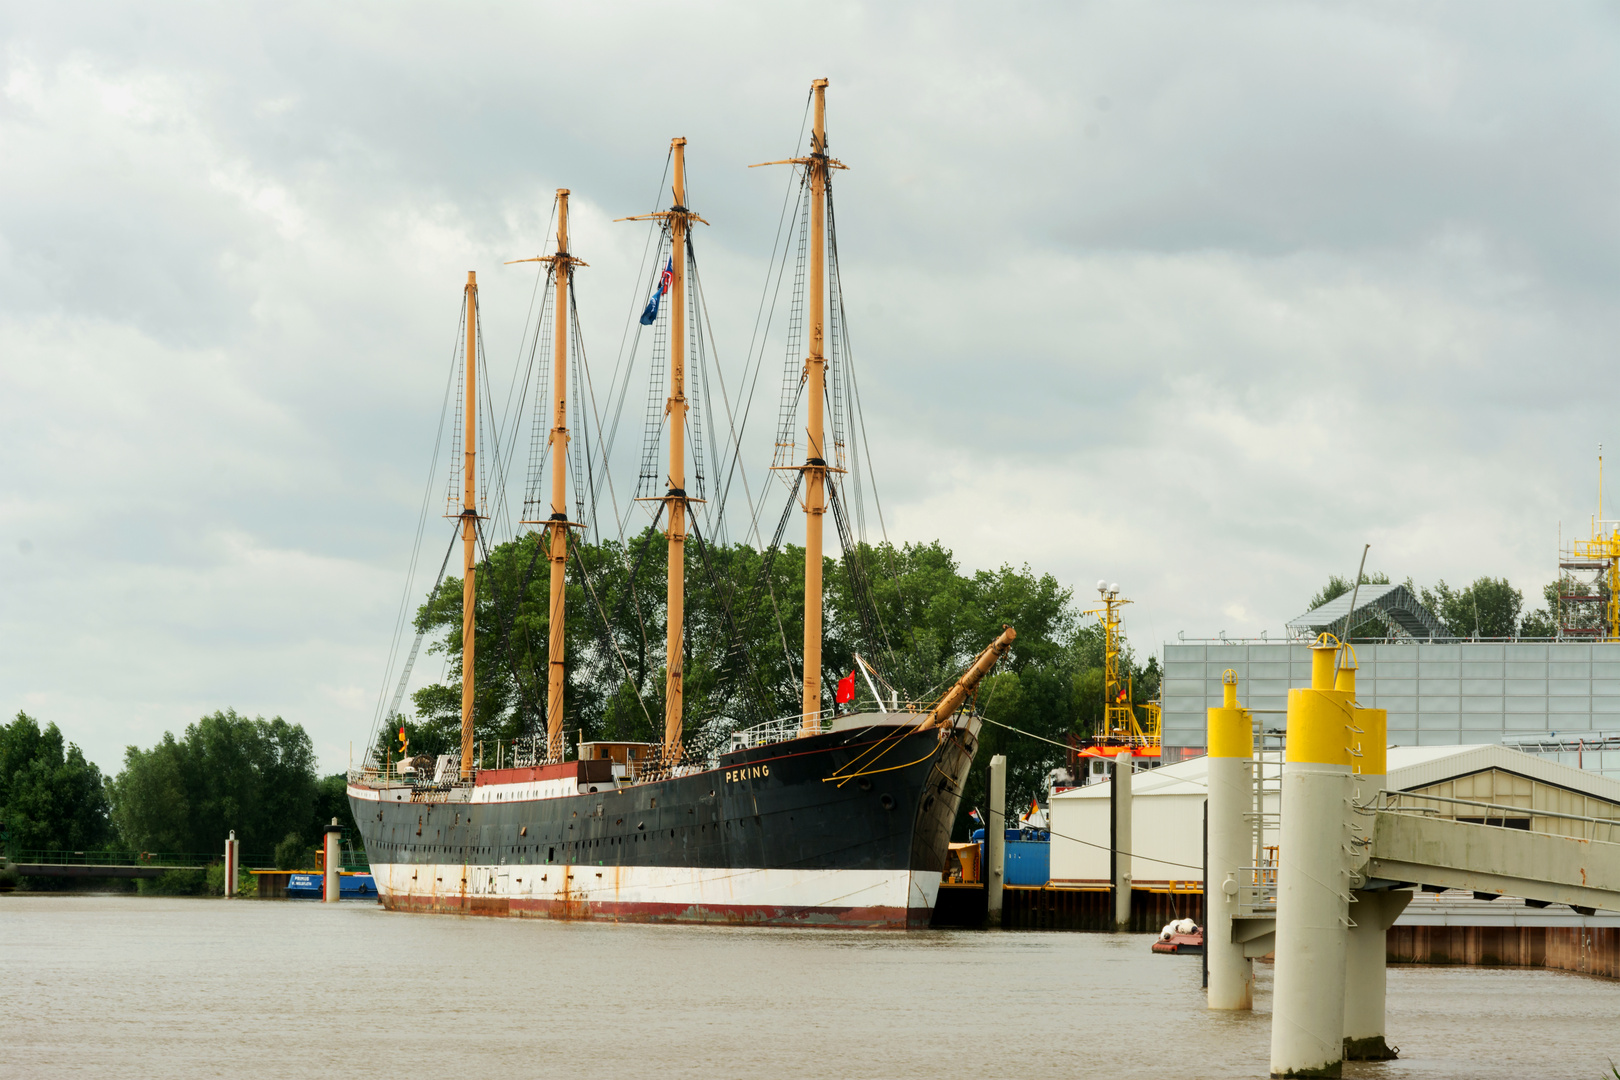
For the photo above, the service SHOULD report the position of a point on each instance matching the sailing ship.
(819, 818)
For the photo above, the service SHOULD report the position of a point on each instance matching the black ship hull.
(842, 828)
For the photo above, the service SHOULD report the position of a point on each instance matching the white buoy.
(1307, 1024)
(1120, 804)
(995, 839)
(331, 888)
(1231, 793)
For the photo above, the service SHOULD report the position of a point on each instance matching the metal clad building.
(1437, 694)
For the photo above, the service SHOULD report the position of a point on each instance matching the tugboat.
(815, 819)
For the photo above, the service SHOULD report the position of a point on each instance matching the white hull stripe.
(686, 894)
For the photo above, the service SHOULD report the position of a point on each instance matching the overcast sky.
(1197, 298)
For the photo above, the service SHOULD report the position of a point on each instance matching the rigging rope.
(416, 548)
(410, 662)
(608, 637)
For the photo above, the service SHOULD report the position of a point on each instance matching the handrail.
(1392, 797)
(183, 860)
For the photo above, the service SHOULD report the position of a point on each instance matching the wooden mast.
(469, 529)
(556, 624)
(815, 465)
(557, 524)
(675, 500)
(676, 503)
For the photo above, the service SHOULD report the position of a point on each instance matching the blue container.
(1028, 856)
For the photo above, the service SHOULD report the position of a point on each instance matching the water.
(144, 987)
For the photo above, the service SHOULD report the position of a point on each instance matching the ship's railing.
(774, 731)
(379, 776)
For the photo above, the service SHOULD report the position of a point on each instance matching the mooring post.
(1313, 900)
(332, 889)
(233, 854)
(995, 840)
(1120, 805)
(1372, 913)
(1231, 792)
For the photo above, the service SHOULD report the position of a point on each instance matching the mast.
(469, 529)
(679, 220)
(559, 504)
(675, 500)
(557, 524)
(815, 465)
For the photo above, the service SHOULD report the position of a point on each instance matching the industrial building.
(1557, 699)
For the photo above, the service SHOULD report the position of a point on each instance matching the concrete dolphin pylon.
(1231, 795)
(1313, 876)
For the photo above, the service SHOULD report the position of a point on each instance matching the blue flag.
(651, 312)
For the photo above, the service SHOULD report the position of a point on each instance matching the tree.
(1543, 622)
(256, 777)
(1489, 608)
(51, 798)
(332, 801)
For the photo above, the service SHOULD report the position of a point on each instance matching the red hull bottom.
(861, 918)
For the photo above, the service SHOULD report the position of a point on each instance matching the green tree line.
(1488, 608)
(183, 795)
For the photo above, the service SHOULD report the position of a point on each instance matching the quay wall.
(1046, 907)
(1590, 950)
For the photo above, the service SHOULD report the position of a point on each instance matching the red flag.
(846, 689)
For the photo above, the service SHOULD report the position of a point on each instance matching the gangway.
(1411, 845)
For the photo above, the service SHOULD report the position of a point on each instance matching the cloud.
(1199, 301)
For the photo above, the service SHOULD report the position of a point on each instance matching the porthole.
(887, 801)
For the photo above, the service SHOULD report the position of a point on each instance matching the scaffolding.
(1589, 578)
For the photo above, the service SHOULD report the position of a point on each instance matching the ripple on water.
(141, 987)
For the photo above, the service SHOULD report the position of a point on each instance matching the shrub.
(293, 854)
(175, 883)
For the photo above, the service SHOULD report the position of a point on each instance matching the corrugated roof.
(1393, 606)
(1419, 766)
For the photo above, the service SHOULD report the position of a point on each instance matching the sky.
(1194, 298)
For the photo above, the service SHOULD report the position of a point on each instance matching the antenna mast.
(469, 529)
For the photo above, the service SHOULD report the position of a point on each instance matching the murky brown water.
(129, 986)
